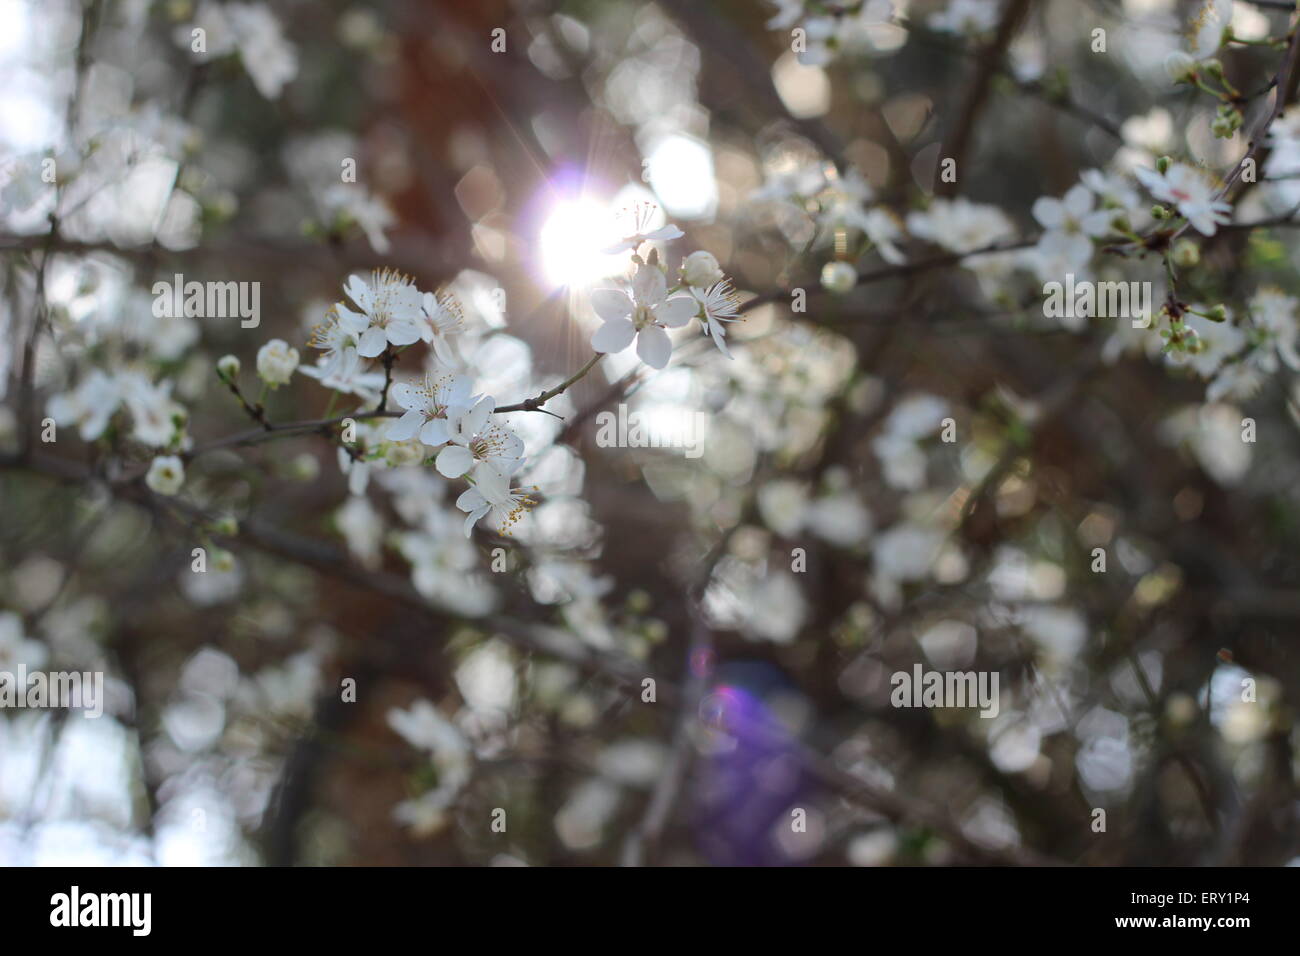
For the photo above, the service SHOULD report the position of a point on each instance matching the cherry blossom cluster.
(387, 314)
(650, 305)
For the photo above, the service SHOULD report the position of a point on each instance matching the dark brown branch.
(956, 144)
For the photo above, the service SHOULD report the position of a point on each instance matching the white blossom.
(15, 649)
(89, 406)
(1210, 27)
(391, 312)
(347, 373)
(253, 31)
(477, 445)
(429, 407)
(965, 17)
(1273, 314)
(639, 217)
(718, 303)
(1115, 192)
(1069, 224)
(839, 277)
(644, 316)
(443, 319)
(960, 225)
(370, 213)
(491, 494)
(424, 728)
(334, 340)
(166, 475)
(154, 414)
(1192, 193)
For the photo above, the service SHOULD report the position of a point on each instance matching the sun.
(573, 239)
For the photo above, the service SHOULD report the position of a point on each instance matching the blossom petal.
(453, 461)
(353, 323)
(664, 232)
(492, 485)
(403, 332)
(456, 391)
(1098, 224)
(654, 346)
(372, 342)
(359, 292)
(611, 304)
(434, 432)
(473, 519)
(719, 336)
(407, 395)
(470, 499)
(614, 336)
(1049, 212)
(473, 421)
(623, 246)
(1153, 181)
(442, 348)
(1078, 201)
(649, 285)
(677, 311)
(405, 427)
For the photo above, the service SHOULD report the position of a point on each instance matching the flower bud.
(228, 367)
(398, 453)
(1180, 709)
(304, 467)
(226, 525)
(700, 270)
(1186, 253)
(276, 362)
(1227, 122)
(1162, 165)
(839, 277)
(1180, 66)
(166, 475)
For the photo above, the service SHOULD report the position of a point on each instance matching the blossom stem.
(388, 360)
(326, 425)
(535, 404)
(255, 412)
